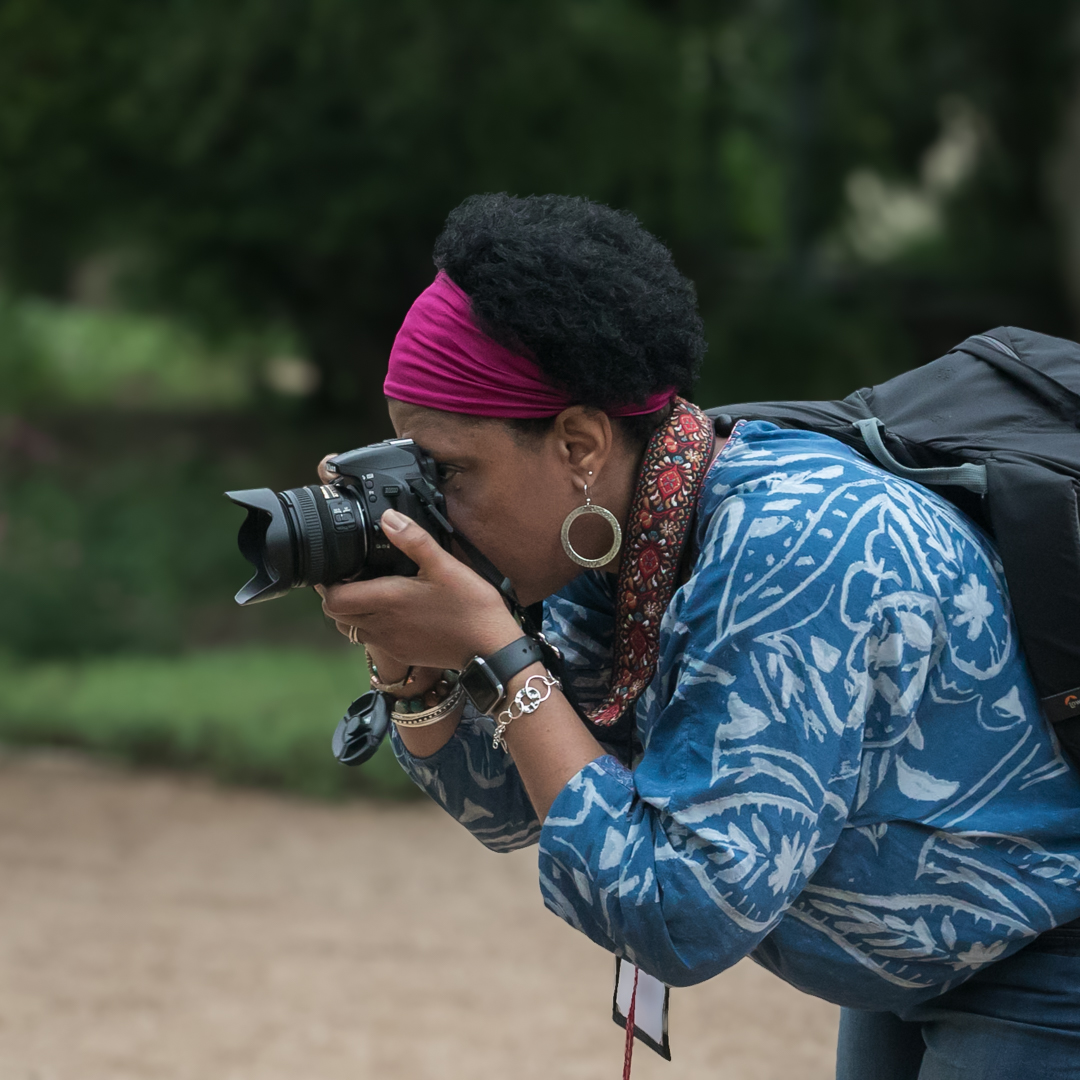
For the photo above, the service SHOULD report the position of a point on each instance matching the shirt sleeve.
(752, 733)
(477, 783)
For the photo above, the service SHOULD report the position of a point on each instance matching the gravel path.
(157, 926)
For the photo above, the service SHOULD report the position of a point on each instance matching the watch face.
(481, 684)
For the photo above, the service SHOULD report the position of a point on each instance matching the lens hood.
(266, 541)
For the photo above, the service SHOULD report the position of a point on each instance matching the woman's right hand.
(389, 669)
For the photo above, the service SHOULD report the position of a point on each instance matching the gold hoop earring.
(591, 508)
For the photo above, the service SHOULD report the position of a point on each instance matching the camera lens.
(314, 535)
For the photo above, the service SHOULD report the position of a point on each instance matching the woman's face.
(509, 493)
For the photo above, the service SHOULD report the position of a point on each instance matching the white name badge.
(650, 1010)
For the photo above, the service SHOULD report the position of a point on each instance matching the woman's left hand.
(441, 618)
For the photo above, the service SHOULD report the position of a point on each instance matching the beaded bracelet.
(406, 716)
(376, 681)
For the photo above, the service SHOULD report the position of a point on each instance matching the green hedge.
(115, 535)
(253, 715)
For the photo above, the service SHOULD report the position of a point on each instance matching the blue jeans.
(1018, 1019)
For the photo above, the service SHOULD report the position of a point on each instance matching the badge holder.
(650, 1007)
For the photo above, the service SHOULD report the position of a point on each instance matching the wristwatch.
(485, 678)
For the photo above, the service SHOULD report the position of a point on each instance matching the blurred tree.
(295, 159)
(854, 186)
(292, 160)
(924, 127)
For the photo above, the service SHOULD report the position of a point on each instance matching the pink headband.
(442, 360)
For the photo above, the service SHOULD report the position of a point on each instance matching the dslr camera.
(324, 534)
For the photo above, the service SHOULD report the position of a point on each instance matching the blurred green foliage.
(24, 368)
(56, 357)
(254, 716)
(104, 548)
(115, 534)
(853, 186)
(291, 161)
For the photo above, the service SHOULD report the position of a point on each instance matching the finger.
(325, 474)
(414, 541)
(353, 633)
(364, 599)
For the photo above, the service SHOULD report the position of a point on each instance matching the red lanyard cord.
(629, 1052)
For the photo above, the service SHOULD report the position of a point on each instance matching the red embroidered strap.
(674, 467)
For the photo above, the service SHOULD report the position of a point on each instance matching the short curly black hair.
(585, 290)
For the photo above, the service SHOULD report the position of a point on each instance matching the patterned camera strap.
(658, 527)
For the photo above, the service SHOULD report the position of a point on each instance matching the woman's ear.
(584, 439)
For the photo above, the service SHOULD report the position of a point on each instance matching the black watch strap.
(502, 666)
(515, 657)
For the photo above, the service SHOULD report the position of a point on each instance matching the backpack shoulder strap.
(969, 475)
(835, 418)
(851, 422)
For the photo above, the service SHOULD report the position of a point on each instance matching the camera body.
(324, 534)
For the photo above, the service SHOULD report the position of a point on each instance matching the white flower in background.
(292, 376)
(975, 608)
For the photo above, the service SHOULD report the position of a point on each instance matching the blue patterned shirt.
(845, 772)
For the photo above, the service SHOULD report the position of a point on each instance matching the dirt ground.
(154, 926)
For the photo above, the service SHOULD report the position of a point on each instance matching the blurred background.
(214, 216)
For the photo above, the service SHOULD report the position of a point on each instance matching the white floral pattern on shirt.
(845, 770)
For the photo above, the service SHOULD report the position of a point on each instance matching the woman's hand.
(390, 670)
(325, 475)
(439, 619)
(385, 615)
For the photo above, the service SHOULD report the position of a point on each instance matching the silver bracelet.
(527, 700)
(405, 718)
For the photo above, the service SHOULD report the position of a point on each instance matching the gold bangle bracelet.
(433, 715)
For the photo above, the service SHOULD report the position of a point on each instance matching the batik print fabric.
(845, 772)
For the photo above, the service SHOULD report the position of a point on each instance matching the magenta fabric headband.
(442, 360)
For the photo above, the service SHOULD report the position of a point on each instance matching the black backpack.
(994, 427)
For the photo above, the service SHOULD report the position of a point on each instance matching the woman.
(808, 734)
